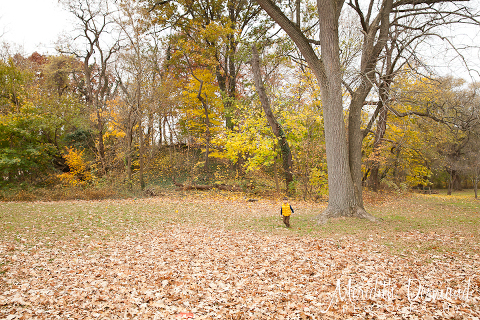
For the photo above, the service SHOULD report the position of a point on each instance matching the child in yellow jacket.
(286, 211)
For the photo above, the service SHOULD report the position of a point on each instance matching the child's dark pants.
(286, 220)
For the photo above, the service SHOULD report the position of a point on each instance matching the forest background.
(147, 96)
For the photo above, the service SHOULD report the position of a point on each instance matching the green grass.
(411, 224)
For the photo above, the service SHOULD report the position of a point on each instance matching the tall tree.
(100, 42)
(272, 121)
(344, 153)
(402, 55)
(134, 29)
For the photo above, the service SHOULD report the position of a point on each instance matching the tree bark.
(450, 182)
(160, 131)
(272, 121)
(275, 176)
(344, 196)
(457, 181)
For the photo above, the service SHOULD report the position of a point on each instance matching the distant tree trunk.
(141, 155)
(276, 127)
(170, 130)
(101, 145)
(450, 182)
(275, 176)
(454, 181)
(150, 140)
(160, 131)
(379, 134)
(208, 137)
(129, 156)
(227, 82)
(457, 181)
(207, 121)
(141, 142)
(475, 184)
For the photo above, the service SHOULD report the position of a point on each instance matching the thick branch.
(418, 2)
(296, 34)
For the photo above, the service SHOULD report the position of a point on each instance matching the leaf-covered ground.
(219, 258)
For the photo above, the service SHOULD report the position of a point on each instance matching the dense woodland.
(145, 95)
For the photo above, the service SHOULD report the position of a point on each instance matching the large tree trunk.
(343, 200)
(272, 121)
(457, 181)
(344, 176)
(449, 188)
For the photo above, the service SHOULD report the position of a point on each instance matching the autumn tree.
(436, 122)
(376, 19)
(220, 28)
(402, 57)
(24, 154)
(192, 65)
(39, 110)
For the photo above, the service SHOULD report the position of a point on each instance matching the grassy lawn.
(218, 256)
(447, 223)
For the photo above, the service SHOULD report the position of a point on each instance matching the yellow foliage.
(408, 149)
(79, 173)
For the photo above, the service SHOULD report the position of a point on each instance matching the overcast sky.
(37, 24)
(33, 24)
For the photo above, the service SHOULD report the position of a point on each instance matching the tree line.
(311, 98)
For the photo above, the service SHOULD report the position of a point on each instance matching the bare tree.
(100, 42)
(135, 66)
(402, 54)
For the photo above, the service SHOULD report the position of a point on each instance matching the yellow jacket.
(286, 210)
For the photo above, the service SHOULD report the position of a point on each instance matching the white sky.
(33, 24)
(36, 25)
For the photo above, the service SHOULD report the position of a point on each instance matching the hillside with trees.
(143, 97)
